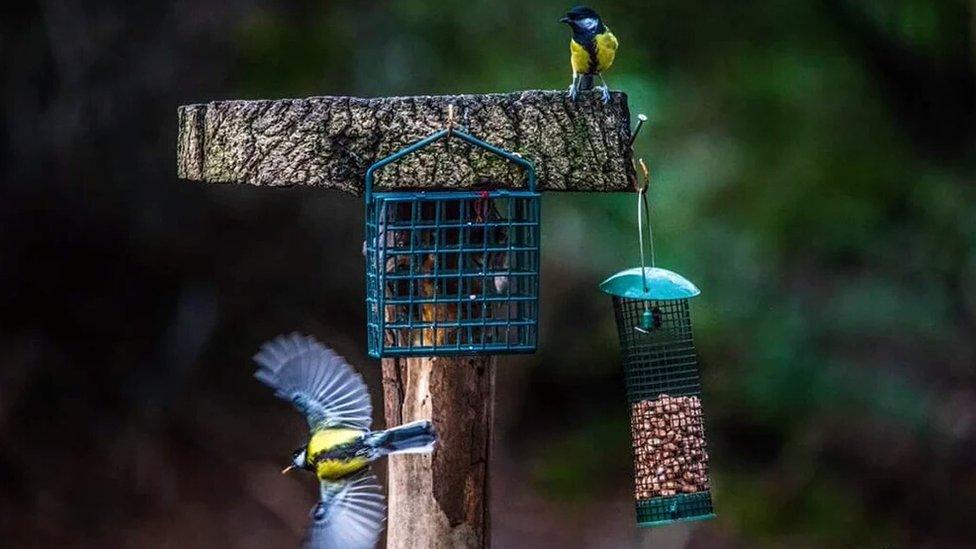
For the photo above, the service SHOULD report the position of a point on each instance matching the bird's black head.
(583, 20)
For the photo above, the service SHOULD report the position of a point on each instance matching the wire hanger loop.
(643, 211)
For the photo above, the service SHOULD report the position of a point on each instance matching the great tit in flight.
(592, 50)
(351, 509)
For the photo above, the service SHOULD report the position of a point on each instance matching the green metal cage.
(452, 272)
(651, 306)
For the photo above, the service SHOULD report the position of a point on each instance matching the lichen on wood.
(581, 145)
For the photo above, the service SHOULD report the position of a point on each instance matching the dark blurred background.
(814, 168)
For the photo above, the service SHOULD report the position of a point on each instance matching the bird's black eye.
(297, 452)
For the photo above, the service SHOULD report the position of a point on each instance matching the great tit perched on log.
(333, 397)
(592, 50)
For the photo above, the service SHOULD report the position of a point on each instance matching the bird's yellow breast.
(328, 439)
(606, 50)
(335, 469)
(579, 57)
(605, 46)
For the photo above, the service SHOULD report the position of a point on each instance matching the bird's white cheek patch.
(589, 23)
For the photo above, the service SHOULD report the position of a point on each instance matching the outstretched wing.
(349, 516)
(316, 380)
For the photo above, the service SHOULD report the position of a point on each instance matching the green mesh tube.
(664, 389)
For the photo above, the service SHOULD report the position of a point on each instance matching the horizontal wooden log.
(331, 141)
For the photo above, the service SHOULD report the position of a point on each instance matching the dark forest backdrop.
(813, 172)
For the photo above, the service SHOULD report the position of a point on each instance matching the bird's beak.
(286, 469)
(564, 20)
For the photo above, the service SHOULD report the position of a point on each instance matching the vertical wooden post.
(441, 500)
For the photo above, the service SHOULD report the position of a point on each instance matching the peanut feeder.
(651, 306)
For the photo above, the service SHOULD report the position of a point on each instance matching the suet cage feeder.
(651, 306)
(452, 272)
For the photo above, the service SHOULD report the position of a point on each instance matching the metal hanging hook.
(641, 119)
(642, 205)
(450, 119)
(647, 317)
(647, 175)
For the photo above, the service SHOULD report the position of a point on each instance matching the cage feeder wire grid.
(452, 272)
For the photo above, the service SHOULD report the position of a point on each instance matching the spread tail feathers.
(417, 437)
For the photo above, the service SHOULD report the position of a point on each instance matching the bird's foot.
(572, 92)
(604, 94)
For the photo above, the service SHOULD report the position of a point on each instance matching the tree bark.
(441, 500)
(331, 141)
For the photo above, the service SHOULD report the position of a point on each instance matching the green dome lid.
(662, 285)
